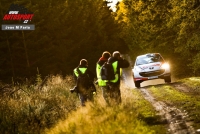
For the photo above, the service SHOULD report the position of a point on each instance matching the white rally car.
(150, 66)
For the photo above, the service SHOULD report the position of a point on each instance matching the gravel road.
(176, 119)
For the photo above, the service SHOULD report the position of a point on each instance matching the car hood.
(150, 67)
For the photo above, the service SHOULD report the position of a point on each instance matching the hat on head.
(116, 54)
(106, 54)
(83, 62)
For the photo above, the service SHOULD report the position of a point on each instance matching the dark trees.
(65, 32)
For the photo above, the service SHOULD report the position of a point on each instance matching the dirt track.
(176, 119)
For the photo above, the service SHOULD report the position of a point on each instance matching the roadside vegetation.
(135, 115)
(183, 94)
(31, 108)
(49, 107)
(193, 83)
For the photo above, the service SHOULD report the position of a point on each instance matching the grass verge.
(49, 107)
(186, 101)
(134, 115)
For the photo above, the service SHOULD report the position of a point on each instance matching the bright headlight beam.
(165, 66)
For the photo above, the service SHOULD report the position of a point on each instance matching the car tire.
(137, 84)
(168, 79)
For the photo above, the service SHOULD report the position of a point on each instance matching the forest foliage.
(67, 31)
(165, 26)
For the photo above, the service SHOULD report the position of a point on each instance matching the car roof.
(149, 54)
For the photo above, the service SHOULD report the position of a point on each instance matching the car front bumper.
(140, 78)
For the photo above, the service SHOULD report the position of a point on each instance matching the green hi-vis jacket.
(117, 75)
(103, 82)
(82, 69)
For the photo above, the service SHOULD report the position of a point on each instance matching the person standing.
(102, 83)
(84, 82)
(117, 63)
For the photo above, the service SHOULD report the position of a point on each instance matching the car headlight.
(165, 66)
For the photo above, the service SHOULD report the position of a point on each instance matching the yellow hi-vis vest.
(115, 64)
(81, 69)
(100, 81)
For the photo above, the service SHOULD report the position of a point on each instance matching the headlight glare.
(165, 66)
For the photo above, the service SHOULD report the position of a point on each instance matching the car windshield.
(149, 58)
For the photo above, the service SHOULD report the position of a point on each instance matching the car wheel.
(168, 79)
(137, 84)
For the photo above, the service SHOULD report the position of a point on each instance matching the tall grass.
(30, 109)
(134, 116)
(48, 107)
